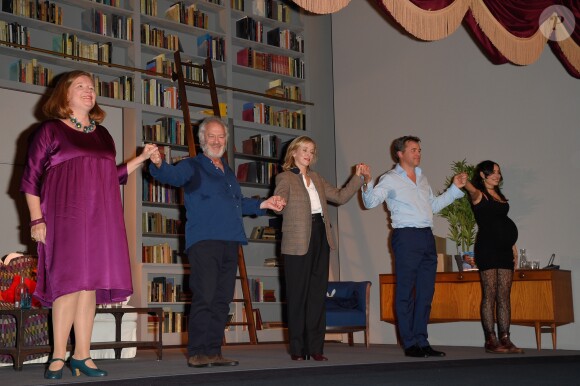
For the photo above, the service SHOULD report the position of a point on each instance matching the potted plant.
(462, 226)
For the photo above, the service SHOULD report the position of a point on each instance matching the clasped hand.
(363, 170)
(276, 203)
(460, 180)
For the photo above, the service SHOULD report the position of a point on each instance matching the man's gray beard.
(211, 154)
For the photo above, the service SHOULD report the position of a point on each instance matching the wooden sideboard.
(539, 298)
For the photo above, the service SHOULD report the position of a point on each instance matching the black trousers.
(306, 286)
(214, 265)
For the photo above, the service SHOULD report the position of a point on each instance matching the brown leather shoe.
(492, 345)
(219, 360)
(508, 345)
(297, 357)
(199, 360)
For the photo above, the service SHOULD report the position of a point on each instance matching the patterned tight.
(497, 284)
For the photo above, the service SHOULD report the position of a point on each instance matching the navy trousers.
(415, 267)
(214, 265)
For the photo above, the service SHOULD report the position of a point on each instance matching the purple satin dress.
(77, 179)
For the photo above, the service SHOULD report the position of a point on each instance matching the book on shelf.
(270, 233)
(257, 318)
(276, 83)
(272, 262)
(249, 29)
(211, 47)
(257, 232)
(223, 110)
(269, 295)
(273, 324)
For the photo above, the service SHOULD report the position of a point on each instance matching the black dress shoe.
(416, 352)
(432, 353)
(318, 357)
(297, 357)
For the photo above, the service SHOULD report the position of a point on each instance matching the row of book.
(158, 223)
(257, 172)
(31, 72)
(160, 65)
(34, 9)
(187, 14)
(284, 38)
(266, 114)
(157, 37)
(211, 47)
(14, 33)
(173, 322)
(164, 289)
(267, 145)
(272, 9)
(279, 64)
(250, 29)
(155, 93)
(148, 7)
(121, 88)
(70, 44)
(166, 129)
(161, 254)
(112, 3)
(116, 26)
(258, 293)
(156, 192)
(265, 233)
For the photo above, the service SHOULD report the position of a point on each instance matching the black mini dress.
(496, 234)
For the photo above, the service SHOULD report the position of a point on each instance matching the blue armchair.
(347, 308)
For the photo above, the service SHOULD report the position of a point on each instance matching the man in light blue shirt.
(411, 204)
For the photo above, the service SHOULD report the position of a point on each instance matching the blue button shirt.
(213, 199)
(411, 204)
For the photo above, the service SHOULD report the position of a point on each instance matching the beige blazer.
(297, 215)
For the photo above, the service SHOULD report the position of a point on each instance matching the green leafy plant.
(462, 226)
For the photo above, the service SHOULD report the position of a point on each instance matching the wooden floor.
(268, 357)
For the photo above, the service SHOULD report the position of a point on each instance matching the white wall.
(388, 84)
(18, 119)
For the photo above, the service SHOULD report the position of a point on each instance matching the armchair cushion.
(346, 304)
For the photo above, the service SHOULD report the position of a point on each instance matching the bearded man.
(214, 231)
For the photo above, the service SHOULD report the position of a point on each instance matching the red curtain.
(519, 17)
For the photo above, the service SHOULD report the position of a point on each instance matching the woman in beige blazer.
(306, 243)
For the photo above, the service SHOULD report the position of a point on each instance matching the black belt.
(317, 217)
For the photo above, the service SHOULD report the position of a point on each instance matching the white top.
(315, 205)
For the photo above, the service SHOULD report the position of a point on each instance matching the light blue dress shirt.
(411, 204)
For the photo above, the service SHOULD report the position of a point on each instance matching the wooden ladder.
(207, 69)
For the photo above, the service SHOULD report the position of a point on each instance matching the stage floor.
(145, 369)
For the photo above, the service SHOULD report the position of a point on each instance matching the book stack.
(270, 233)
(269, 295)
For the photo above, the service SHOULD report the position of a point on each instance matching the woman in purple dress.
(71, 183)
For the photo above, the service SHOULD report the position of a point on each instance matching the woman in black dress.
(495, 254)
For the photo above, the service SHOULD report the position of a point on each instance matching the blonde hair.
(294, 145)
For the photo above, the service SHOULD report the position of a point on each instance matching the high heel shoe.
(79, 366)
(56, 374)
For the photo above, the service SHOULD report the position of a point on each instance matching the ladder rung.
(199, 105)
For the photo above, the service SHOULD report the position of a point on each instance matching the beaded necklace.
(78, 125)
